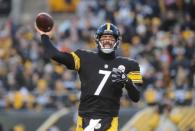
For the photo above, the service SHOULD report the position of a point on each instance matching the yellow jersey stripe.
(108, 26)
(76, 60)
(135, 76)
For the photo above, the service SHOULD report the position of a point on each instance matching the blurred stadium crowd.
(160, 35)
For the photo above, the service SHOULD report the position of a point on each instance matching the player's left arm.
(133, 90)
(135, 82)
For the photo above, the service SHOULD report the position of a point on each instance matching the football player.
(103, 75)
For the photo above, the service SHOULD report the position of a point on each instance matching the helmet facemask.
(105, 47)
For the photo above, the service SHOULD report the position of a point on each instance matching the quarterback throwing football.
(102, 75)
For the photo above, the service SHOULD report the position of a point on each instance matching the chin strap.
(107, 50)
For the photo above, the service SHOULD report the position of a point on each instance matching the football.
(44, 22)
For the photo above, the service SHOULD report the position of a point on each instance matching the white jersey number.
(102, 83)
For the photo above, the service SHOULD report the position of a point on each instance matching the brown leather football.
(44, 22)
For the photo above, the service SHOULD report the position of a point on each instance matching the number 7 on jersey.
(102, 83)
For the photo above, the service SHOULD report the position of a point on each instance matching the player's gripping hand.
(120, 77)
(50, 33)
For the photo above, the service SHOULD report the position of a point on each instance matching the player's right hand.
(50, 33)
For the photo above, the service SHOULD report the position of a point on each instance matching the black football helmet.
(107, 29)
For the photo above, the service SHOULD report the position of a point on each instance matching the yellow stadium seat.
(63, 5)
(148, 118)
(145, 120)
(18, 100)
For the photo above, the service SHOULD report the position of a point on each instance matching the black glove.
(120, 77)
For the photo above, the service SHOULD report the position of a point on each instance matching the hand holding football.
(44, 22)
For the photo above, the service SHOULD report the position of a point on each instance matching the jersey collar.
(109, 56)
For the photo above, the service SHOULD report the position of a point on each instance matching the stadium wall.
(33, 120)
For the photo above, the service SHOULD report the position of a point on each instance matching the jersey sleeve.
(135, 74)
(78, 55)
(64, 58)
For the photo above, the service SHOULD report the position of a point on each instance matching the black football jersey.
(99, 95)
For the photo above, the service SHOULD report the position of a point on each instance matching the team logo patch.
(122, 68)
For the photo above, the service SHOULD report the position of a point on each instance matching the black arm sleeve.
(51, 52)
(133, 91)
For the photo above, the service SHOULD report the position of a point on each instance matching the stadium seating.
(63, 5)
(148, 119)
